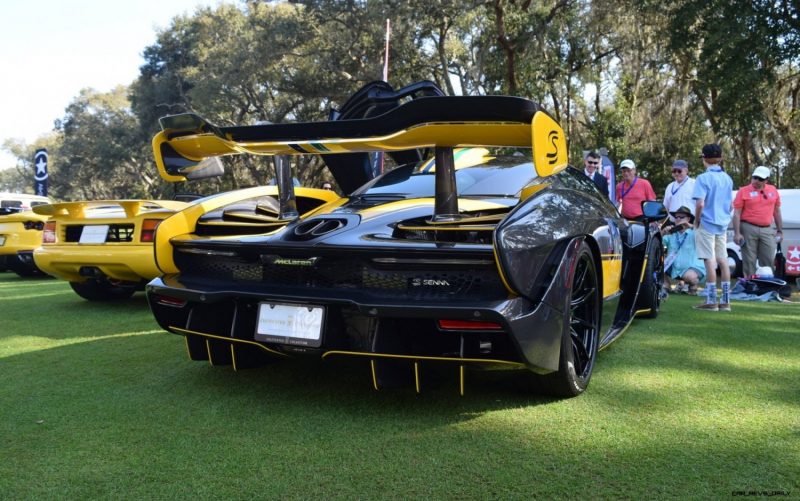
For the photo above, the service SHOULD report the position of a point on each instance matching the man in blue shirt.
(713, 195)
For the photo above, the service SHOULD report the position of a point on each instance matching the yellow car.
(105, 249)
(20, 233)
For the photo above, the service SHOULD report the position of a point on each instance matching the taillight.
(468, 325)
(174, 302)
(49, 235)
(149, 230)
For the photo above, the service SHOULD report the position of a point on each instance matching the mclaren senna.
(481, 249)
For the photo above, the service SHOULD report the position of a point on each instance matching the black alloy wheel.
(580, 337)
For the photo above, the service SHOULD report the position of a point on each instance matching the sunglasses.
(681, 217)
(593, 163)
(762, 179)
(676, 171)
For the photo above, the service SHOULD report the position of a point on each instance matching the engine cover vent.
(317, 227)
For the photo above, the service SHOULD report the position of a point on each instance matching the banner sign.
(40, 172)
(793, 260)
(608, 172)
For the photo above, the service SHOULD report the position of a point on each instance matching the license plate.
(94, 234)
(290, 324)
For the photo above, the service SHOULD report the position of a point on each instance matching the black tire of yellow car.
(96, 290)
(23, 270)
(650, 293)
(580, 336)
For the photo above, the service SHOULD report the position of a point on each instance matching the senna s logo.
(429, 282)
(552, 138)
(287, 261)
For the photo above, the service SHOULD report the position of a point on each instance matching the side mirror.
(653, 211)
(210, 167)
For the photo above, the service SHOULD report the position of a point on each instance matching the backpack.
(780, 263)
(759, 286)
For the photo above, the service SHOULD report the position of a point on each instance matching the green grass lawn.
(97, 401)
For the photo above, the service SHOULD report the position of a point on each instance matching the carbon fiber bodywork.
(364, 275)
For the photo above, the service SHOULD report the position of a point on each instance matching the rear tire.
(580, 335)
(13, 263)
(97, 290)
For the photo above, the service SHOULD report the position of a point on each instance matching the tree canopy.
(647, 80)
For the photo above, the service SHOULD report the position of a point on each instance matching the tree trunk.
(506, 47)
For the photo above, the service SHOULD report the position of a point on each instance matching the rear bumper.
(15, 242)
(226, 313)
(131, 263)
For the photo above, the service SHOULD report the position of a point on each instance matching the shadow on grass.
(331, 386)
(752, 352)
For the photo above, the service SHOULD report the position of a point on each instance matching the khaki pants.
(758, 243)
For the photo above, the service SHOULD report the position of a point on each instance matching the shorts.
(710, 246)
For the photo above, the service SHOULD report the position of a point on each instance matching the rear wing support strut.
(446, 204)
(283, 178)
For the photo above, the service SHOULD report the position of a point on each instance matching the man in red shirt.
(755, 207)
(632, 191)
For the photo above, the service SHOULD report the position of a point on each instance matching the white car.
(21, 201)
(790, 213)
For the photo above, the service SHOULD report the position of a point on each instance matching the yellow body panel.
(612, 275)
(184, 222)
(131, 263)
(13, 235)
(127, 261)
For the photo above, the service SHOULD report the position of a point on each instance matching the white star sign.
(40, 162)
(794, 254)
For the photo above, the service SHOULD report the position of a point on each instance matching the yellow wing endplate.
(549, 145)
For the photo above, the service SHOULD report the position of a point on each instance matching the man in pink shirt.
(755, 207)
(632, 191)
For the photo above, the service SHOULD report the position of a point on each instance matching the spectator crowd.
(700, 211)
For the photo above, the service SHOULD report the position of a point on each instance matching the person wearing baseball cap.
(756, 206)
(682, 262)
(632, 191)
(679, 192)
(713, 196)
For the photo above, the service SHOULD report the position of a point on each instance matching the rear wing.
(441, 122)
(132, 208)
